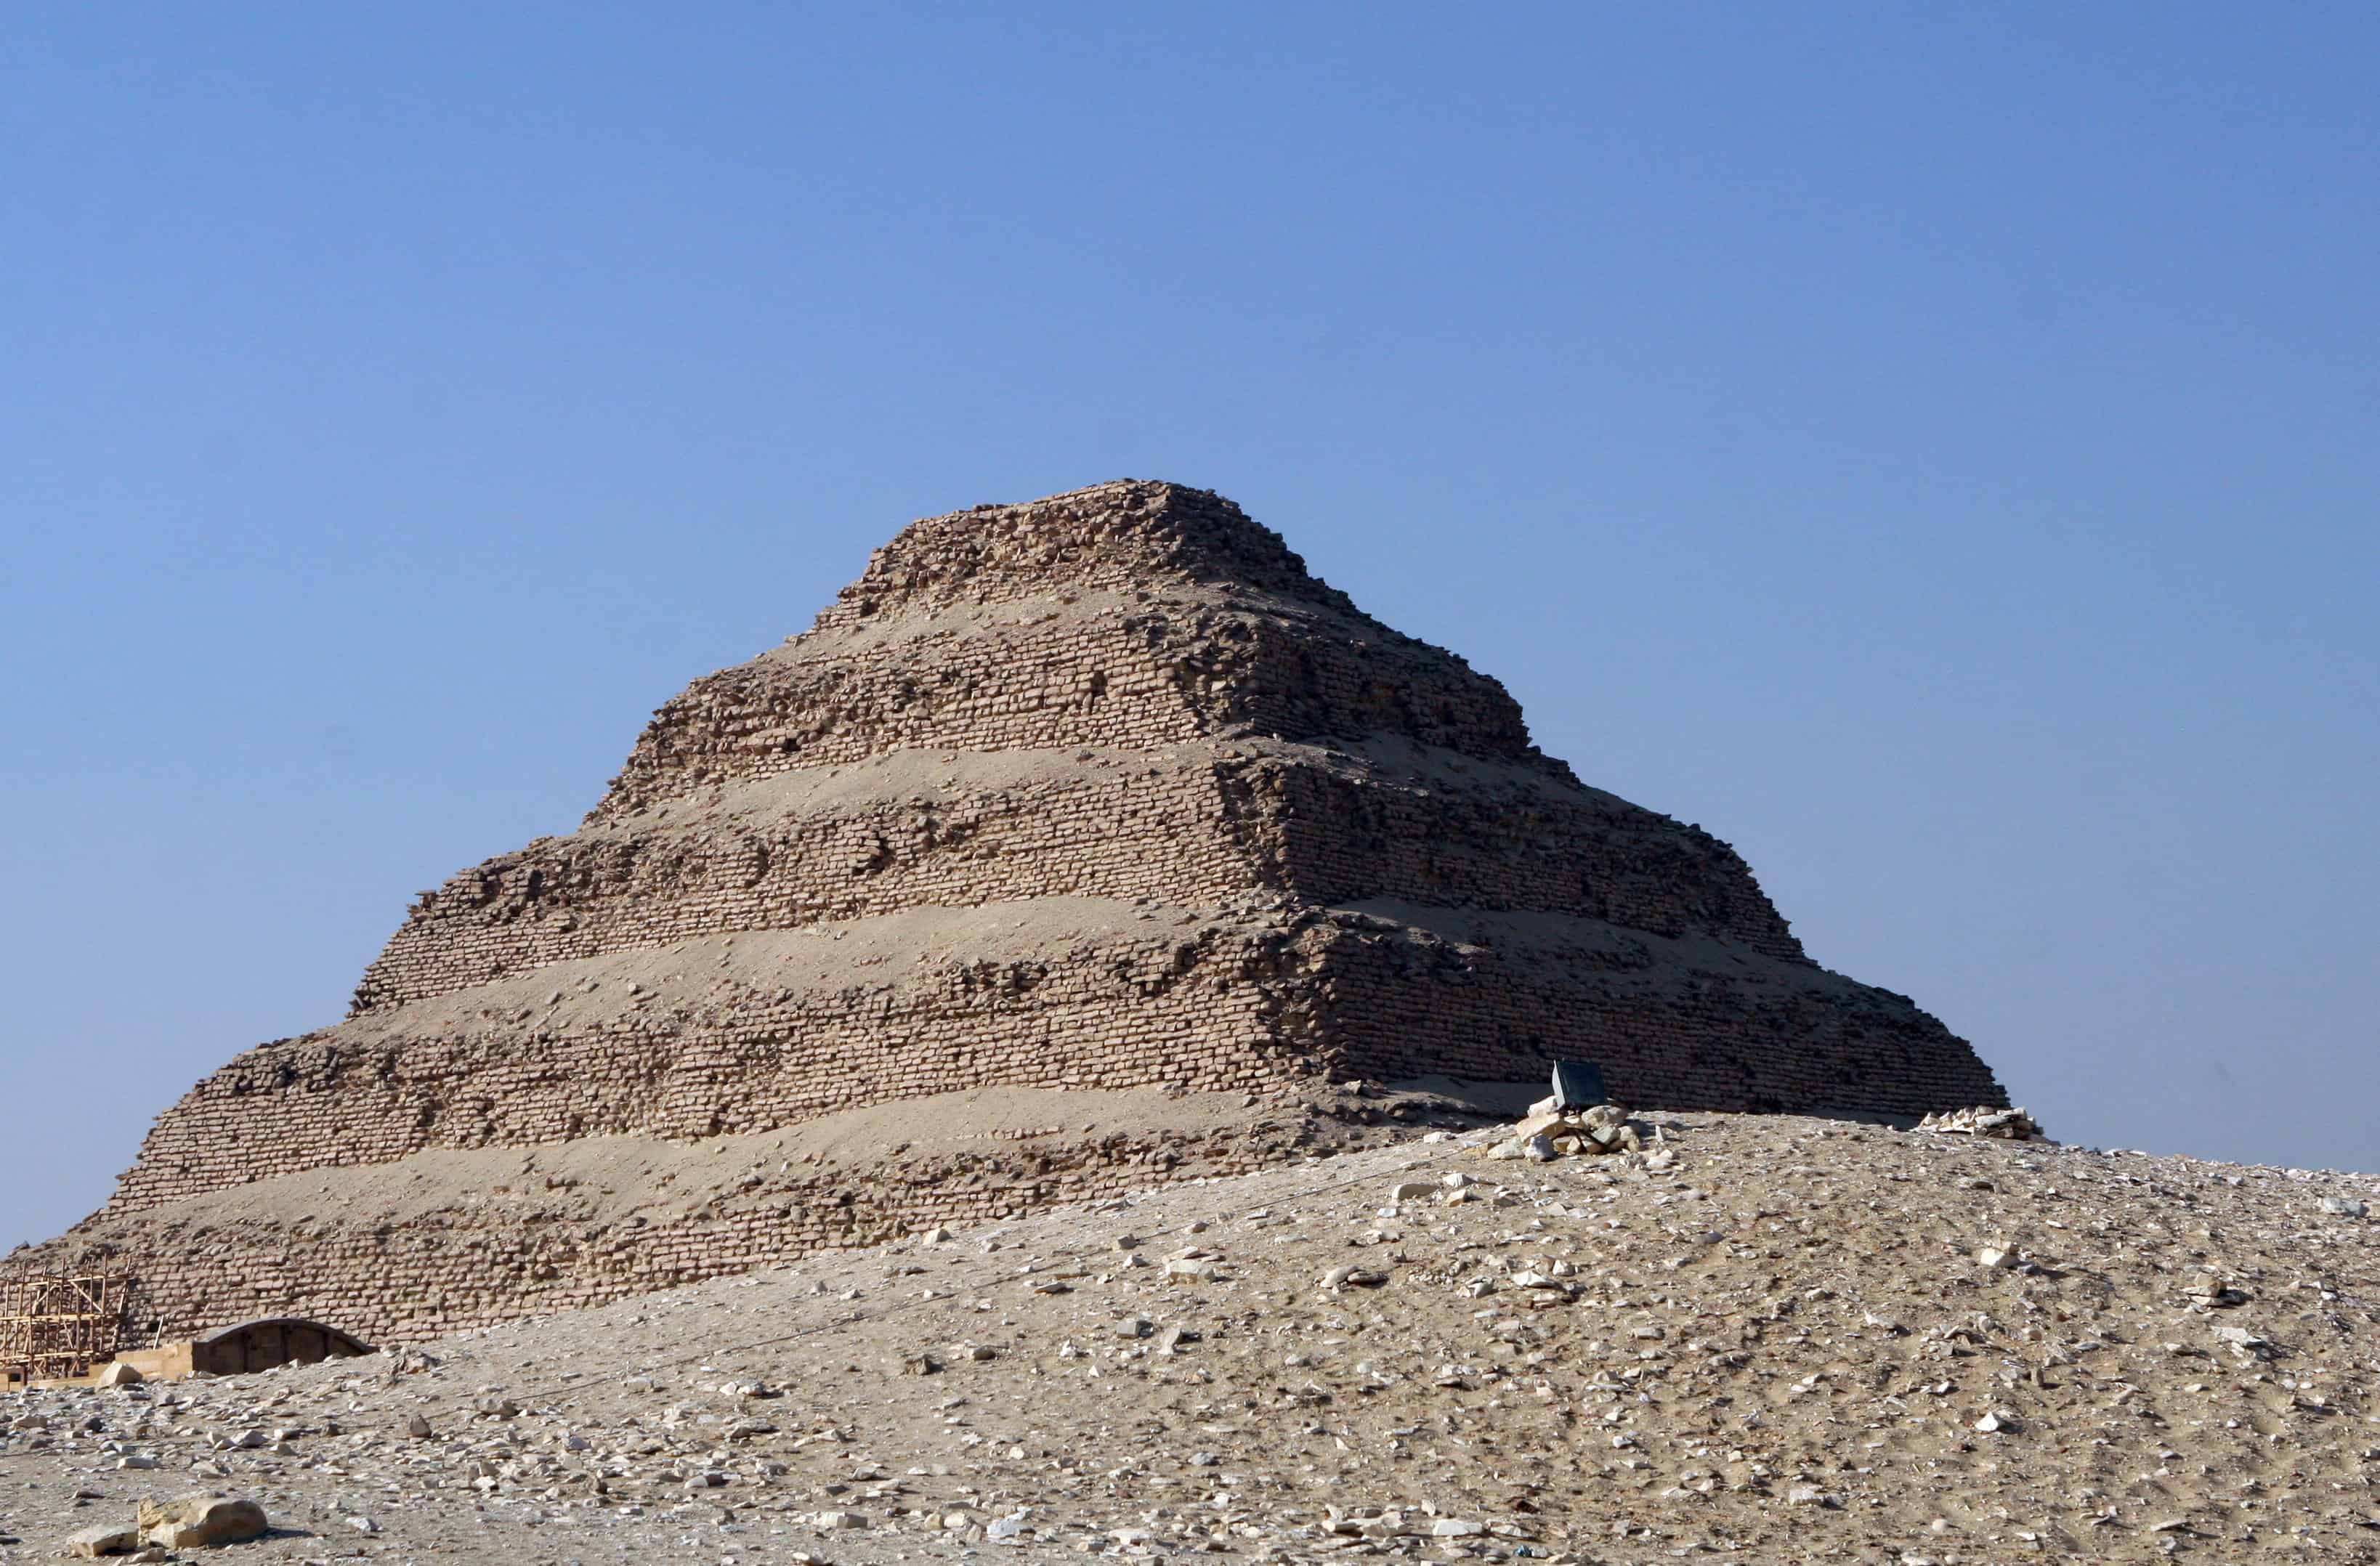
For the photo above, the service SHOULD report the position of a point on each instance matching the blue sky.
(1932, 451)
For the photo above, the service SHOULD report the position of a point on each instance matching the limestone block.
(193, 1522)
(100, 1538)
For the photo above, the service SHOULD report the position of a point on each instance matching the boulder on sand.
(192, 1521)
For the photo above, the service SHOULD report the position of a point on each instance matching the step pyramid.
(1102, 793)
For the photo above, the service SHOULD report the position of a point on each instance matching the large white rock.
(104, 1538)
(194, 1521)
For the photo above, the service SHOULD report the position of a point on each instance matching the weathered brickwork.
(1109, 617)
(1461, 834)
(786, 852)
(1399, 1001)
(1104, 791)
(537, 1245)
(1198, 824)
(697, 1050)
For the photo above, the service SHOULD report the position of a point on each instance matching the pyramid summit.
(1123, 614)
(1060, 811)
(1120, 535)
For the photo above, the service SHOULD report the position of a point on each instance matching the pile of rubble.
(1552, 1132)
(2008, 1125)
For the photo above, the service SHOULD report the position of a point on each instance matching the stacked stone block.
(541, 1243)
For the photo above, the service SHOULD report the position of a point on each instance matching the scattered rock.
(1582, 1289)
(2008, 1125)
(194, 1521)
(1546, 1133)
(119, 1373)
(2243, 1343)
(2213, 1293)
(103, 1538)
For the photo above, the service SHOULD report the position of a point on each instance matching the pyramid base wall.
(357, 1255)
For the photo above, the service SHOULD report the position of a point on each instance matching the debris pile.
(1552, 1132)
(2008, 1125)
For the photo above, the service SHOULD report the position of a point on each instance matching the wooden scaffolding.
(56, 1328)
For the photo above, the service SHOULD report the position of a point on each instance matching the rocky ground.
(1759, 1339)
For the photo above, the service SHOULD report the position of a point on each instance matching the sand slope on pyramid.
(1104, 792)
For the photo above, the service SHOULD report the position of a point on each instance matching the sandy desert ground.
(1765, 1338)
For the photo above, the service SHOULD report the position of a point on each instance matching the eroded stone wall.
(784, 855)
(1450, 840)
(702, 1051)
(529, 1248)
(1401, 1002)
(1082, 674)
(1194, 824)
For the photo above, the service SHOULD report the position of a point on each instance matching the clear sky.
(1931, 447)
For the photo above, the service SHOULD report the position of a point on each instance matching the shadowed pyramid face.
(1098, 792)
